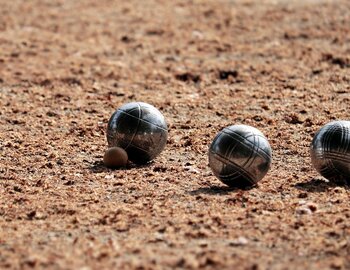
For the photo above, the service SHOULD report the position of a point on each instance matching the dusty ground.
(65, 66)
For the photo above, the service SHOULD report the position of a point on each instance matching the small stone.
(197, 34)
(312, 206)
(303, 210)
(115, 157)
(337, 264)
(31, 215)
(240, 241)
(338, 190)
(191, 169)
(302, 195)
(302, 202)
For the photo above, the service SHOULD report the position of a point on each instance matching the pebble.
(191, 169)
(240, 241)
(306, 208)
(303, 210)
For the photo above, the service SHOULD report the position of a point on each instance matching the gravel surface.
(65, 66)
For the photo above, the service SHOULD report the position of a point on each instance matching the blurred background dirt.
(65, 66)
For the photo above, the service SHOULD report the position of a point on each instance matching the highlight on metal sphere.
(240, 156)
(140, 129)
(330, 151)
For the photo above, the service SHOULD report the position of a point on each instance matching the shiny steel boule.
(330, 151)
(140, 129)
(240, 156)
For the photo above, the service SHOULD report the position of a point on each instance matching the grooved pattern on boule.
(240, 155)
(330, 151)
(140, 129)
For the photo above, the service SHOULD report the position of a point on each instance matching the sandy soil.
(65, 66)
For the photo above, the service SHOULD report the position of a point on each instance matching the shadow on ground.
(99, 167)
(219, 190)
(318, 185)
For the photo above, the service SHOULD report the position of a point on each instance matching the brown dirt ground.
(65, 66)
